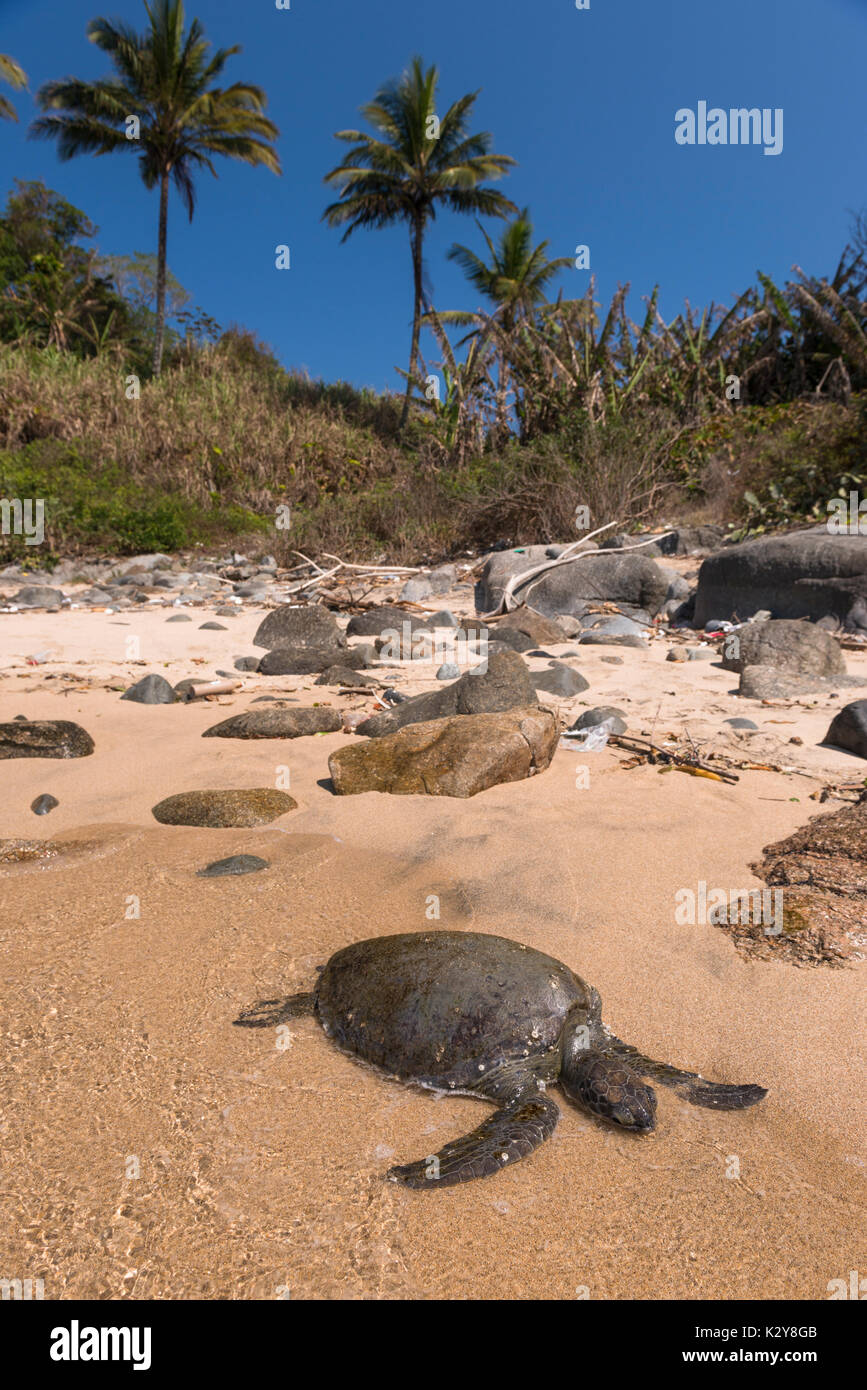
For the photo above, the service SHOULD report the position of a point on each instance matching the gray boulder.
(629, 579)
(38, 596)
(500, 567)
(778, 573)
(849, 729)
(786, 644)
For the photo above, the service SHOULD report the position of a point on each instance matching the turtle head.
(605, 1086)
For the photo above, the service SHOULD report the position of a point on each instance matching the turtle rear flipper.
(507, 1135)
(715, 1095)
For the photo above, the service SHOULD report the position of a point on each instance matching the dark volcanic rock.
(383, 619)
(785, 644)
(286, 626)
(767, 573)
(224, 809)
(560, 680)
(44, 738)
(282, 723)
(307, 661)
(849, 729)
(151, 690)
(41, 805)
(449, 757)
(505, 685)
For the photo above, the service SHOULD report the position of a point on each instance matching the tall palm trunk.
(416, 235)
(161, 273)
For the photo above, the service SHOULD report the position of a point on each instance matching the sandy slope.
(261, 1168)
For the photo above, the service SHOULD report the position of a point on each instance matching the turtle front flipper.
(269, 1012)
(509, 1134)
(715, 1095)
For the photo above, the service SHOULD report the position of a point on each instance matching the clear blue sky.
(584, 100)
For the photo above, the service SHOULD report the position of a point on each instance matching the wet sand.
(152, 1150)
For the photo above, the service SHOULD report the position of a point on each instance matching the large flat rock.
(457, 757)
(278, 723)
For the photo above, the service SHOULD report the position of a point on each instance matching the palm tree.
(165, 79)
(414, 163)
(14, 74)
(515, 280)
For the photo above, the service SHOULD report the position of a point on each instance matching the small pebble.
(43, 804)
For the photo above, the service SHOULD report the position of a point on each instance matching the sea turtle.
(481, 1015)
